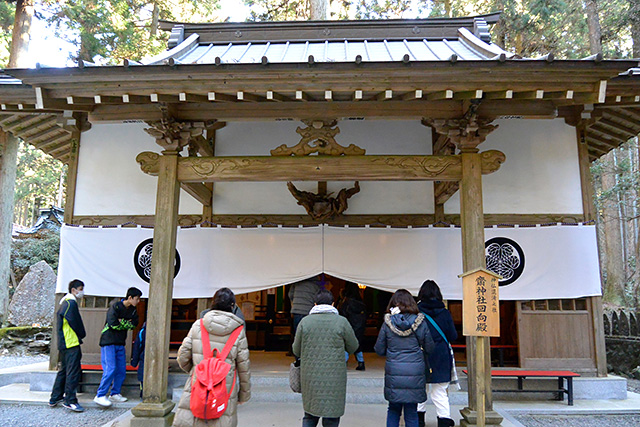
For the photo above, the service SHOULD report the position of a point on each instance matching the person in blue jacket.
(137, 353)
(404, 339)
(432, 306)
(70, 334)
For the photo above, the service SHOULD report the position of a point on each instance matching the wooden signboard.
(480, 304)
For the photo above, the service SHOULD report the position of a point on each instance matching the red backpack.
(209, 397)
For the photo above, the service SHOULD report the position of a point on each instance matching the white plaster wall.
(110, 181)
(377, 137)
(541, 173)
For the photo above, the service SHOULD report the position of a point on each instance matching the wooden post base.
(153, 414)
(469, 418)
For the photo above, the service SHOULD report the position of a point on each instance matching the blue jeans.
(410, 414)
(114, 369)
(359, 356)
(312, 421)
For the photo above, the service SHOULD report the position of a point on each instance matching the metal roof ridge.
(185, 46)
(490, 18)
(474, 43)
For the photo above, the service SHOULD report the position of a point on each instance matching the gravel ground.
(11, 360)
(34, 416)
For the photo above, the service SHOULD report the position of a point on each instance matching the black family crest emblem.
(142, 260)
(504, 257)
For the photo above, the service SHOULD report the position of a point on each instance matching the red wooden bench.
(500, 347)
(521, 375)
(99, 368)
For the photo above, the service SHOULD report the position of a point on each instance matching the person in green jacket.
(320, 342)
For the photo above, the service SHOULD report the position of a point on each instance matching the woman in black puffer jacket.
(402, 338)
(440, 360)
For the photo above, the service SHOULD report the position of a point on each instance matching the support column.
(480, 409)
(588, 209)
(155, 409)
(467, 133)
(76, 123)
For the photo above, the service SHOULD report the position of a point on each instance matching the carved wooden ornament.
(318, 137)
(323, 207)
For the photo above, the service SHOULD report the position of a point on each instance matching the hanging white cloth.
(549, 262)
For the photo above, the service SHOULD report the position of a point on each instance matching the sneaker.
(53, 404)
(102, 401)
(117, 398)
(75, 407)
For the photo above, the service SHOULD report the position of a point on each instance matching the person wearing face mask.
(70, 334)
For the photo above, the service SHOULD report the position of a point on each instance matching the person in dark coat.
(71, 332)
(355, 310)
(440, 359)
(404, 339)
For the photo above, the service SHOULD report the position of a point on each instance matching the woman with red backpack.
(210, 396)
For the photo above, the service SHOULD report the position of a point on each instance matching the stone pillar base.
(153, 414)
(470, 418)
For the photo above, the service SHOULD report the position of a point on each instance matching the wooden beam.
(43, 134)
(618, 127)
(48, 120)
(395, 220)
(624, 114)
(320, 168)
(443, 190)
(274, 96)
(198, 191)
(204, 147)
(409, 96)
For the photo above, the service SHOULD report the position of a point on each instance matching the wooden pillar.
(467, 133)
(588, 209)
(480, 409)
(76, 123)
(69, 203)
(155, 409)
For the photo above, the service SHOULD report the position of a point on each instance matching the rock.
(34, 300)
(636, 373)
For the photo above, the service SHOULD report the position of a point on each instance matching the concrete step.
(275, 388)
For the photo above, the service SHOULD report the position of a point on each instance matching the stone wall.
(622, 336)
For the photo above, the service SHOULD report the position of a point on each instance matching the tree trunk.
(20, 35)
(318, 10)
(614, 292)
(154, 19)
(634, 19)
(8, 162)
(593, 21)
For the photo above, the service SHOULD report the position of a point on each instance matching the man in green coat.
(321, 340)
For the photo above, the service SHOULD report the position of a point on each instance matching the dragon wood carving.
(323, 207)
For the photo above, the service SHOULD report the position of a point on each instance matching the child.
(137, 354)
(121, 318)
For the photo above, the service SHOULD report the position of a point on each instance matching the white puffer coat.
(220, 325)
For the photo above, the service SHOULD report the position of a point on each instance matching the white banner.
(536, 262)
